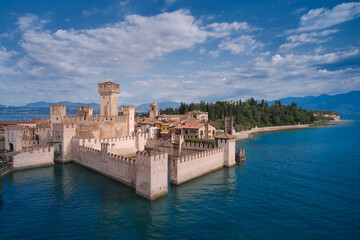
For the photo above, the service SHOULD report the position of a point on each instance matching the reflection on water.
(295, 185)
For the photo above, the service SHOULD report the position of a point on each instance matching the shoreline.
(249, 134)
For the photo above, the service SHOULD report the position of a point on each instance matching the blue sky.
(177, 50)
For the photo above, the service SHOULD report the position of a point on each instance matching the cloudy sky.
(178, 50)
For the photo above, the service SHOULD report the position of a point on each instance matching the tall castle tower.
(57, 112)
(153, 110)
(109, 92)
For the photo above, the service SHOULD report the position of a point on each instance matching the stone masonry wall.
(191, 166)
(112, 165)
(33, 157)
(151, 174)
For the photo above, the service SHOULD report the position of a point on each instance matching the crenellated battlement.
(26, 143)
(58, 110)
(157, 142)
(198, 155)
(84, 111)
(109, 156)
(39, 130)
(196, 145)
(151, 157)
(84, 141)
(93, 119)
(64, 125)
(109, 87)
(127, 109)
(37, 149)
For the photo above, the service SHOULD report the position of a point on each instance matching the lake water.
(22, 117)
(299, 184)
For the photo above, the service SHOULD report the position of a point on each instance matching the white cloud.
(30, 21)
(5, 55)
(313, 25)
(244, 44)
(187, 62)
(202, 50)
(296, 40)
(277, 76)
(121, 46)
(215, 54)
(229, 27)
(321, 18)
(169, 2)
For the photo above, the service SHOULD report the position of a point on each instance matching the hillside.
(347, 105)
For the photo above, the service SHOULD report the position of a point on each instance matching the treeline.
(250, 113)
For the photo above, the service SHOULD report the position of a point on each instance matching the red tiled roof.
(16, 127)
(191, 126)
(225, 136)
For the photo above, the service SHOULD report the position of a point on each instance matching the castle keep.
(108, 144)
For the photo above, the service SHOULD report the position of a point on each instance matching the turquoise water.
(299, 184)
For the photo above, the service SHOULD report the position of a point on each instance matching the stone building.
(196, 130)
(153, 110)
(201, 116)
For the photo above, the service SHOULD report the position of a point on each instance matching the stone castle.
(108, 144)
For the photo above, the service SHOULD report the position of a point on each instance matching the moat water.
(299, 184)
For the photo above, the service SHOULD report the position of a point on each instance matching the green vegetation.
(250, 113)
(209, 141)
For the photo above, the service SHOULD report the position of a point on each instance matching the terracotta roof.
(145, 121)
(196, 112)
(32, 121)
(16, 127)
(191, 126)
(174, 116)
(225, 136)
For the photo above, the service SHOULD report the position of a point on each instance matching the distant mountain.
(162, 105)
(68, 104)
(347, 105)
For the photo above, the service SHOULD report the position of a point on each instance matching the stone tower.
(129, 112)
(57, 112)
(227, 142)
(153, 110)
(109, 92)
(229, 125)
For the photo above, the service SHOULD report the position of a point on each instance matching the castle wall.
(191, 166)
(34, 157)
(116, 145)
(151, 174)
(44, 136)
(100, 126)
(229, 151)
(13, 137)
(112, 165)
(186, 149)
(62, 137)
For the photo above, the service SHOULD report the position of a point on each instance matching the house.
(196, 130)
(201, 116)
